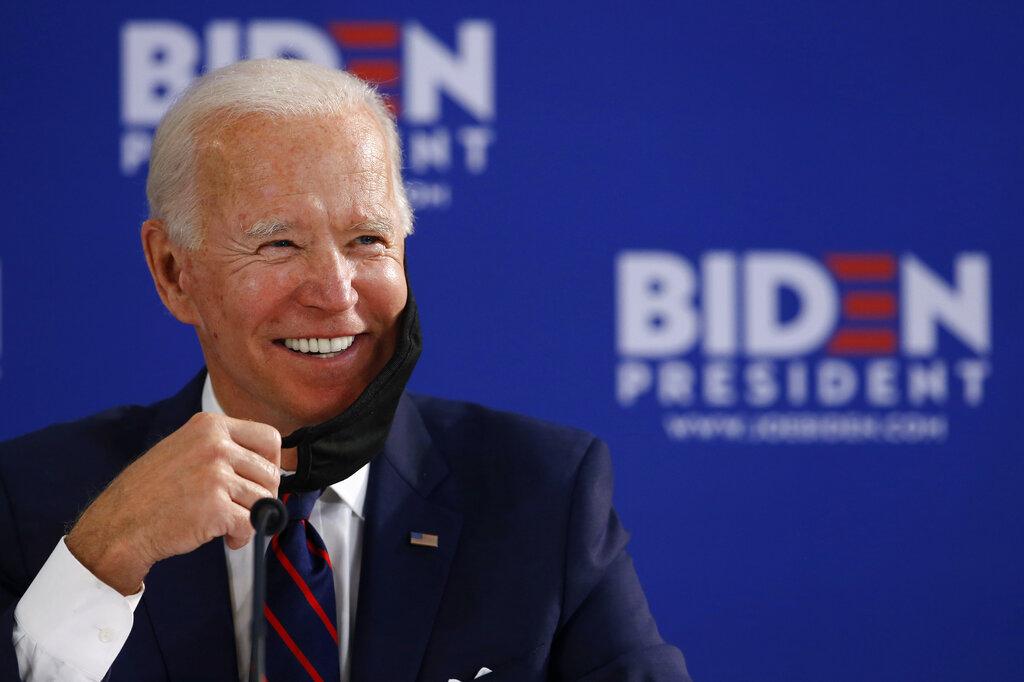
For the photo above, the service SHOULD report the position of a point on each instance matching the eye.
(368, 240)
(278, 244)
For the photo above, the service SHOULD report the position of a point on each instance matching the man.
(477, 543)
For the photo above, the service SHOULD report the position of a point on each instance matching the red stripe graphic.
(863, 342)
(304, 588)
(290, 643)
(862, 267)
(374, 70)
(869, 305)
(365, 34)
(319, 552)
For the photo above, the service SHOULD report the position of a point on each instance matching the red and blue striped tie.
(302, 632)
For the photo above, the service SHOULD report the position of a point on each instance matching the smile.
(324, 348)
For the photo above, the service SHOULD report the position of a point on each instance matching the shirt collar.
(351, 491)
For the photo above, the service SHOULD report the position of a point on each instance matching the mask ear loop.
(303, 466)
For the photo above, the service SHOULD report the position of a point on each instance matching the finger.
(255, 468)
(240, 530)
(245, 493)
(262, 439)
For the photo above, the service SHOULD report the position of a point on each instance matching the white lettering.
(475, 140)
(973, 373)
(465, 75)
(429, 149)
(962, 309)
(656, 316)
(675, 383)
(718, 302)
(765, 275)
(927, 383)
(717, 383)
(633, 379)
(837, 382)
(158, 61)
(762, 389)
(135, 147)
(428, 194)
(880, 383)
(797, 383)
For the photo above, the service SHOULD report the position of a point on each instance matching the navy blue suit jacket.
(530, 578)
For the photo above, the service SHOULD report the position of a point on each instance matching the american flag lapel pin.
(423, 539)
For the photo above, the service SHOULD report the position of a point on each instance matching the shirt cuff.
(74, 616)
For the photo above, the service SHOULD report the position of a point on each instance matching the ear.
(167, 260)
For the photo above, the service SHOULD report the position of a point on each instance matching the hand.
(195, 485)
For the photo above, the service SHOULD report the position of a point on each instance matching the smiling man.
(431, 540)
(302, 226)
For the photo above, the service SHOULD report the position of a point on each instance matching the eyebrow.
(380, 227)
(267, 227)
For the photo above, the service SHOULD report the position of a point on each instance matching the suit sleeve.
(67, 625)
(606, 632)
(12, 574)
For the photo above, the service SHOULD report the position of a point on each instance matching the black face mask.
(337, 448)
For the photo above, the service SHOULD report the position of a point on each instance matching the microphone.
(268, 517)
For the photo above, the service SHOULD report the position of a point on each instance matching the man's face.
(301, 242)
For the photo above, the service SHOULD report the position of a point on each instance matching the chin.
(306, 413)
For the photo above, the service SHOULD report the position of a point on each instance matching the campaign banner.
(767, 252)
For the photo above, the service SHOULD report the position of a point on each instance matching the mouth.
(320, 347)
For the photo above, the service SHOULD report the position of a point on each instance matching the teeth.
(326, 348)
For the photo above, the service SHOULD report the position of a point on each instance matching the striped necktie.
(302, 634)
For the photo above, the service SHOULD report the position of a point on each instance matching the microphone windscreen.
(271, 513)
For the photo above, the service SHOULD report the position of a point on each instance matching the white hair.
(278, 88)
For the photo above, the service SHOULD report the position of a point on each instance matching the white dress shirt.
(69, 625)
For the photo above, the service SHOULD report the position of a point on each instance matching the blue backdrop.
(769, 253)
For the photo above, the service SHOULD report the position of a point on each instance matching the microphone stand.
(268, 517)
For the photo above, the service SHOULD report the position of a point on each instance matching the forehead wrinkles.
(259, 145)
(226, 162)
(341, 157)
(369, 184)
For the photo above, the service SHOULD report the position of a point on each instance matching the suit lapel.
(401, 584)
(187, 597)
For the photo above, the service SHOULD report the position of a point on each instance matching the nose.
(328, 281)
